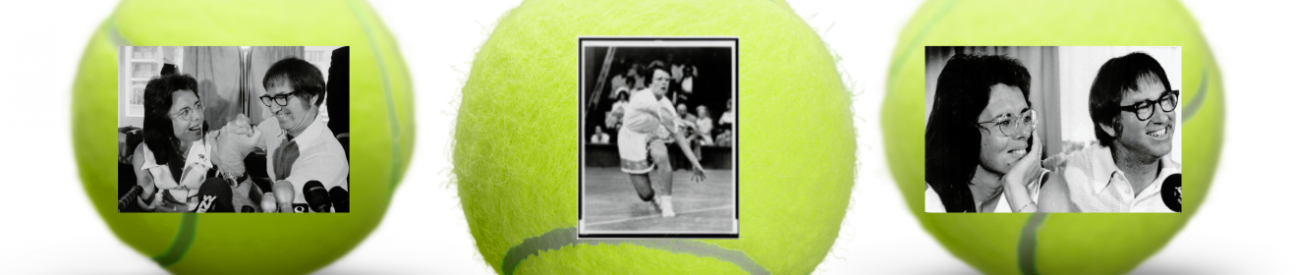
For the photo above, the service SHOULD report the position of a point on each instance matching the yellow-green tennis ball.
(516, 144)
(1059, 243)
(381, 140)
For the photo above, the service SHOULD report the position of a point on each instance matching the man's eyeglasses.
(281, 99)
(1143, 109)
(189, 112)
(1009, 124)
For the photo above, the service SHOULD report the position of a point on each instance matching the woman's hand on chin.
(1021, 173)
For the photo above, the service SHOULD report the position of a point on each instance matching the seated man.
(299, 146)
(1132, 107)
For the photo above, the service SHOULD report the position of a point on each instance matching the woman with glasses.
(172, 162)
(1132, 107)
(982, 154)
(179, 167)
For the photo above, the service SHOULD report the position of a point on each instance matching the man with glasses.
(300, 147)
(1132, 107)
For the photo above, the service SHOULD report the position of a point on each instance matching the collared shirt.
(670, 119)
(1095, 184)
(197, 162)
(643, 112)
(647, 114)
(321, 156)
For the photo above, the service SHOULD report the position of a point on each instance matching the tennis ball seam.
(566, 237)
(394, 173)
(184, 239)
(187, 232)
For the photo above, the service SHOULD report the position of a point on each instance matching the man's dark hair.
(1116, 78)
(301, 76)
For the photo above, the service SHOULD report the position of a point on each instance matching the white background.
(1245, 227)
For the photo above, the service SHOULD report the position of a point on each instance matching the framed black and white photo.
(658, 137)
(237, 129)
(1053, 129)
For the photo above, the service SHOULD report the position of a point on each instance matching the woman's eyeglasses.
(1143, 109)
(189, 112)
(1009, 125)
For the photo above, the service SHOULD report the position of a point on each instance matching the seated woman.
(176, 168)
(982, 151)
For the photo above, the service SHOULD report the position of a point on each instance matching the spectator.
(612, 120)
(599, 137)
(684, 114)
(704, 125)
(727, 120)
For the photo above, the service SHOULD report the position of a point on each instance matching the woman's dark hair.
(303, 77)
(158, 133)
(1115, 78)
(953, 140)
(652, 69)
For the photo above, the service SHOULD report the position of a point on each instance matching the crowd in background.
(702, 126)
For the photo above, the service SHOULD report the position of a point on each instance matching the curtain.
(219, 75)
(259, 62)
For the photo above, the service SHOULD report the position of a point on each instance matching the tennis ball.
(250, 243)
(1089, 243)
(516, 147)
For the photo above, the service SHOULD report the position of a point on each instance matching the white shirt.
(1095, 184)
(320, 158)
(727, 117)
(197, 162)
(600, 138)
(643, 113)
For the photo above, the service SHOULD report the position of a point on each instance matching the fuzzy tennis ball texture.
(249, 243)
(1088, 243)
(516, 146)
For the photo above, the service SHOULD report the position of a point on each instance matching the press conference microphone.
(268, 203)
(215, 195)
(1171, 192)
(283, 194)
(316, 196)
(130, 198)
(341, 199)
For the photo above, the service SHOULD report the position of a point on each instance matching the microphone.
(215, 195)
(317, 197)
(268, 204)
(283, 196)
(129, 199)
(341, 200)
(1171, 191)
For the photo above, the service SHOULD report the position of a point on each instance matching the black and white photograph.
(234, 129)
(658, 137)
(1053, 129)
